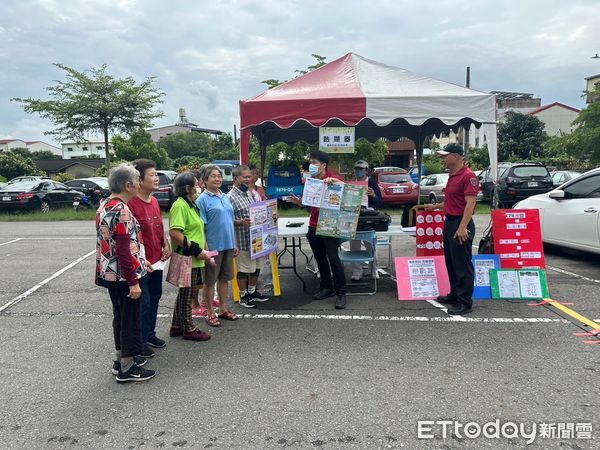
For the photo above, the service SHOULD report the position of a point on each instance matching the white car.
(570, 214)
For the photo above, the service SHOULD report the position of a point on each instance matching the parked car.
(165, 195)
(227, 172)
(397, 188)
(413, 171)
(433, 188)
(389, 169)
(570, 214)
(562, 176)
(27, 178)
(37, 195)
(96, 188)
(516, 181)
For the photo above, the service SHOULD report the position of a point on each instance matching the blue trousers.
(151, 294)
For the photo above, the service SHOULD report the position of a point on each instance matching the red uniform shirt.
(150, 220)
(314, 212)
(463, 183)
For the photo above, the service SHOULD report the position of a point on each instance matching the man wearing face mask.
(361, 171)
(248, 269)
(325, 249)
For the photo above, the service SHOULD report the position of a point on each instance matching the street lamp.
(596, 56)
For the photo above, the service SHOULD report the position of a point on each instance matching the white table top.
(300, 231)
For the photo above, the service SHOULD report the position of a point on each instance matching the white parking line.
(361, 317)
(10, 242)
(566, 272)
(30, 291)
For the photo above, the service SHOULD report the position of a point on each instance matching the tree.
(223, 147)
(140, 145)
(520, 137)
(479, 158)
(63, 176)
(192, 162)
(15, 165)
(94, 102)
(21, 151)
(320, 61)
(44, 154)
(186, 144)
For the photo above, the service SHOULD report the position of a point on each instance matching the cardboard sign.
(519, 284)
(263, 230)
(482, 265)
(421, 278)
(430, 233)
(518, 238)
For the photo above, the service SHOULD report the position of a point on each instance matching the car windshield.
(530, 171)
(20, 186)
(101, 182)
(395, 178)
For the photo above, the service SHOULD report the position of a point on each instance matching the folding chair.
(362, 256)
(385, 241)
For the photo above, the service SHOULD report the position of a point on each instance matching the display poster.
(526, 284)
(518, 238)
(421, 278)
(336, 139)
(482, 265)
(365, 184)
(430, 233)
(263, 228)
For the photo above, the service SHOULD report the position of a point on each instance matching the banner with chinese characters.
(421, 278)
(523, 284)
(518, 238)
(336, 139)
(263, 230)
(482, 265)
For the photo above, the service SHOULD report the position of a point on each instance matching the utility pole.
(466, 133)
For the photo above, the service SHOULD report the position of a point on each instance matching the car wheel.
(432, 199)
(45, 206)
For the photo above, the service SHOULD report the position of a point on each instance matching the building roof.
(8, 141)
(503, 95)
(552, 105)
(192, 128)
(56, 165)
(592, 77)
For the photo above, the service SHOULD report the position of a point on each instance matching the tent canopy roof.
(379, 100)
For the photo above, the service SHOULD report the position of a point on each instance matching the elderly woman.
(217, 213)
(120, 266)
(186, 229)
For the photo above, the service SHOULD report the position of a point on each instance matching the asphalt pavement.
(294, 373)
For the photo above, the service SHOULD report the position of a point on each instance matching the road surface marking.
(10, 242)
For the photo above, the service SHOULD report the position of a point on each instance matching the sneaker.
(459, 309)
(175, 331)
(258, 297)
(137, 360)
(446, 300)
(356, 275)
(323, 294)
(147, 352)
(246, 301)
(340, 301)
(196, 335)
(136, 373)
(156, 342)
(200, 312)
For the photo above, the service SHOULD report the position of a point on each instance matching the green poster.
(526, 284)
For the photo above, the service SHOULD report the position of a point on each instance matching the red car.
(397, 188)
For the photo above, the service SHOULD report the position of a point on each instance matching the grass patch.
(56, 215)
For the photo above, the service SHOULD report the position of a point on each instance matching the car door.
(425, 189)
(62, 194)
(558, 178)
(575, 220)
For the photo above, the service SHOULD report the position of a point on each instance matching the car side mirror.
(557, 195)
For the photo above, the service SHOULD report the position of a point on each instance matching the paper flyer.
(263, 230)
(353, 197)
(332, 197)
(314, 189)
(421, 278)
(328, 224)
(365, 197)
(339, 210)
(519, 284)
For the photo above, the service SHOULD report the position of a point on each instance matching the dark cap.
(451, 148)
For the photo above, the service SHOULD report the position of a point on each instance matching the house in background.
(32, 146)
(79, 168)
(400, 153)
(557, 118)
(9, 144)
(590, 85)
(72, 150)
(184, 126)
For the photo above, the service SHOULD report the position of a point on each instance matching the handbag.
(180, 270)
(486, 244)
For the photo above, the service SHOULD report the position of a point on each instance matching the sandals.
(228, 315)
(213, 320)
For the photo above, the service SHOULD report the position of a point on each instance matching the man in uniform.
(459, 230)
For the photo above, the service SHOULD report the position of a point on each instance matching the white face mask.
(313, 169)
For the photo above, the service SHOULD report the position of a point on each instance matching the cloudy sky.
(207, 55)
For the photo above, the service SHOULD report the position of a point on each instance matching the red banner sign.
(430, 233)
(518, 238)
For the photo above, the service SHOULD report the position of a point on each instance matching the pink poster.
(421, 277)
(430, 233)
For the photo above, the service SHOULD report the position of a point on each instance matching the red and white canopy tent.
(378, 100)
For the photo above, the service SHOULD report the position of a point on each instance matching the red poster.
(430, 233)
(518, 238)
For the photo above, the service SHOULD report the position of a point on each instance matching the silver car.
(432, 188)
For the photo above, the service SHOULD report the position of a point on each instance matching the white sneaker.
(356, 275)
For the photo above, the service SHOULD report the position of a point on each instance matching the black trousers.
(127, 320)
(458, 262)
(325, 250)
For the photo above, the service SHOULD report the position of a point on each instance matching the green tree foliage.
(15, 165)
(433, 164)
(140, 145)
(190, 162)
(45, 154)
(186, 144)
(63, 176)
(21, 151)
(223, 147)
(94, 102)
(372, 152)
(479, 158)
(520, 137)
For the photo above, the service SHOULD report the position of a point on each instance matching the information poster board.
(518, 238)
(336, 139)
(263, 230)
(365, 184)
(430, 233)
(482, 265)
(421, 278)
(525, 284)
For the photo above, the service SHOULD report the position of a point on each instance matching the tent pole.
(263, 156)
(419, 164)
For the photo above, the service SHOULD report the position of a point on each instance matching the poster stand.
(274, 278)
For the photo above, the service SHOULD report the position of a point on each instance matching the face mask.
(360, 173)
(243, 188)
(313, 169)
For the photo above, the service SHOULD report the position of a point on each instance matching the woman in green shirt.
(186, 230)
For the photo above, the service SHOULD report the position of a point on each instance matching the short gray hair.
(121, 175)
(181, 181)
(208, 169)
(238, 170)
